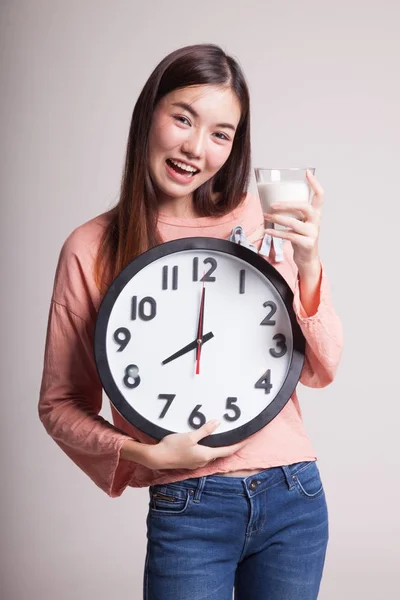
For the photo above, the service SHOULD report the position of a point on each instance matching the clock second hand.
(200, 327)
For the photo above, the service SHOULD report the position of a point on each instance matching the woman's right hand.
(182, 451)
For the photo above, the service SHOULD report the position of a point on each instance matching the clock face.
(163, 375)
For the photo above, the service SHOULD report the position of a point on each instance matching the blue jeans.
(265, 536)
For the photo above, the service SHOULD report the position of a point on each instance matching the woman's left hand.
(303, 234)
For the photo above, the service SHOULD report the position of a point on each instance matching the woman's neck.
(182, 208)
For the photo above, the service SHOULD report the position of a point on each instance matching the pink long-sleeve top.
(71, 392)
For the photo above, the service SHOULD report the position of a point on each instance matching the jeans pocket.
(169, 499)
(308, 481)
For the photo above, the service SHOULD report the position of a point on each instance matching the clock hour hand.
(188, 348)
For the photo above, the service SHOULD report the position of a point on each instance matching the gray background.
(324, 82)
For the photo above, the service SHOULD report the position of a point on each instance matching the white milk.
(283, 191)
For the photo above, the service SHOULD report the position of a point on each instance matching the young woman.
(251, 516)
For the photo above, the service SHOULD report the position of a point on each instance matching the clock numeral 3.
(131, 379)
(268, 320)
(281, 343)
(169, 398)
(265, 382)
(231, 406)
(207, 276)
(122, 336)
(196, 418)
(140, 310)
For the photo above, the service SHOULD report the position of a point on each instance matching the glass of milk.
(283, 185)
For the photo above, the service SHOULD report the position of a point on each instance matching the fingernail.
(215, 422)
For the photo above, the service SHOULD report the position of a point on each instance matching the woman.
(251, 516)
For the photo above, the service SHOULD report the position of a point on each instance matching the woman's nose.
(194, 144)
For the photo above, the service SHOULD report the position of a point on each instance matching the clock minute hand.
(188, 348)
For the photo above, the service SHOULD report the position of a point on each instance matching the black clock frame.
(171, 247)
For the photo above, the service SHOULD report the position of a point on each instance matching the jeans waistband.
(247, 486)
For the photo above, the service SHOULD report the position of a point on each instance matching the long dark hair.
(133, 225)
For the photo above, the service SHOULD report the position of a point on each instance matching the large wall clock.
(196, 329)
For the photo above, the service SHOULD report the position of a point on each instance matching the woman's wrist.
(137, 452)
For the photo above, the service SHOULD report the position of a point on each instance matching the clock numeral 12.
(207, 276)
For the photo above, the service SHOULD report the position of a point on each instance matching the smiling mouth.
(189, 174)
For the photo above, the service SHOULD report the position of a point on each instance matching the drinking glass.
(283, 185)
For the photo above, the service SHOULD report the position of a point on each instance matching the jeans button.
(253, 485)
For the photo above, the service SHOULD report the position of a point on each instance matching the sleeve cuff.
(323, 291)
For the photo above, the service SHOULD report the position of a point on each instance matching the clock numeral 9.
(265, 382)
(131, 379)
(140, 309)
(122, 336)
(207, 276)
(268, 320)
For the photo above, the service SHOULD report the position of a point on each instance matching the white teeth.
(183, 166)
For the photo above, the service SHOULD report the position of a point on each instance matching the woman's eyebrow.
(195, 115)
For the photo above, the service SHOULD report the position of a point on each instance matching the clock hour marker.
(165, 270)
(141, 310)
(132, 377)
(196, 418)
(268, 320)
(281, 343)
(242, 281)
(169, 398)
(122, 336)
(230, 405)
(195, 272)
(264, 382)
(207, 276)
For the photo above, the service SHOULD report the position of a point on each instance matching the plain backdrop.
(324, 84)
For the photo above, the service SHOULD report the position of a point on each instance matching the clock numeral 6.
(231, 406)
(131, 379)
(196, 418)
(265, 382)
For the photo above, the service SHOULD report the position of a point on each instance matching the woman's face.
(194, 127)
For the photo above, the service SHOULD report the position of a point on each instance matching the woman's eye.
(182, 120)
(224, 137)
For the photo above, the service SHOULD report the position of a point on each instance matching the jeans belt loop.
(288, 476)
(199, 489)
